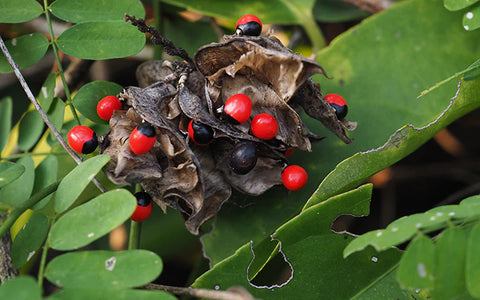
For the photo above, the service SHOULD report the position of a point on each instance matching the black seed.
(251, 28)
(340, 111)
(202, 133)
(146, 129)
(243, 158)
(91, 145)
(143, 199)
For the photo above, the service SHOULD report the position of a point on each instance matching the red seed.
(264, 126)
(238, 107)
(142, 139)
(294, 177)
(82, 139)
(144, 207)
(107, 106)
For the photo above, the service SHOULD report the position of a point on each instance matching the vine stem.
(42, 113)
(59, 63)
(43, 261)
(13, 216)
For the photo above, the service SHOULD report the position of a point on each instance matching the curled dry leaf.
(196, 179)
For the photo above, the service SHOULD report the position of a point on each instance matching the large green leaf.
(26, 50)
(458, 4)
(107, 269)
(471, 19)
(77, 180)
(19, 11)
(9, 171)
(21, 288)
(79, 11)
(29, 239)
(101, 40)
(314, 253)
(19, 190)
(5, 120)
(380, 67)
(88, 96)
(45, 174)
(30, 129)
(102, 294)
(92, 220)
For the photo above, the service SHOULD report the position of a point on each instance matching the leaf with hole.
(9, 172)
(18, 191)
(47, 91)
(101, 40)
(19, 11)
(104, 269)
(5, 120)
(21, 288)
(45, 174)
(90, 94)
(25, 50)
(472, 268)
(81, 11)
(77, 180)
(92, 220)
(29, 239)
(416, 267)
(30, 130)
(381, 103)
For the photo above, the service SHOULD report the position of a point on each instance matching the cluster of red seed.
(236, 110)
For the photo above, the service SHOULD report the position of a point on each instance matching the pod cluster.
(189, 134)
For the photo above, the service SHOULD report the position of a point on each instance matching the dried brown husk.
(196, 180)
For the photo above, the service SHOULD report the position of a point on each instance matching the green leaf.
(474, 71)
(47, 91)
(20, 190)
(416, 267)
(88, 96)
(77, 180)
(450, 264)
(45, 174)
(5, 120)
(101, 40)
(25, 50)
(337, 11)
(458, 4)
(104, 269)
(472, 271)
(315, 254)
(21, 288)
(56, 113)
(381, 87)
(29, 239)
(9, 172)
(471, 19)
(30, 130)
(19, 11)
(101, 294)
(90, 221)
(80, 11)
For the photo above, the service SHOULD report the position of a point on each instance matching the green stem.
(134, 237)
(157, 23)
(43, 261)
(11, 218)
(313, 32)
(59, 63)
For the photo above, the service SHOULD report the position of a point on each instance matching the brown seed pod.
(197, 179)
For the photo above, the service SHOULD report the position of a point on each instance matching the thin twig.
(371, 6)
(158, 39)
(233, 293)
(42, 113)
